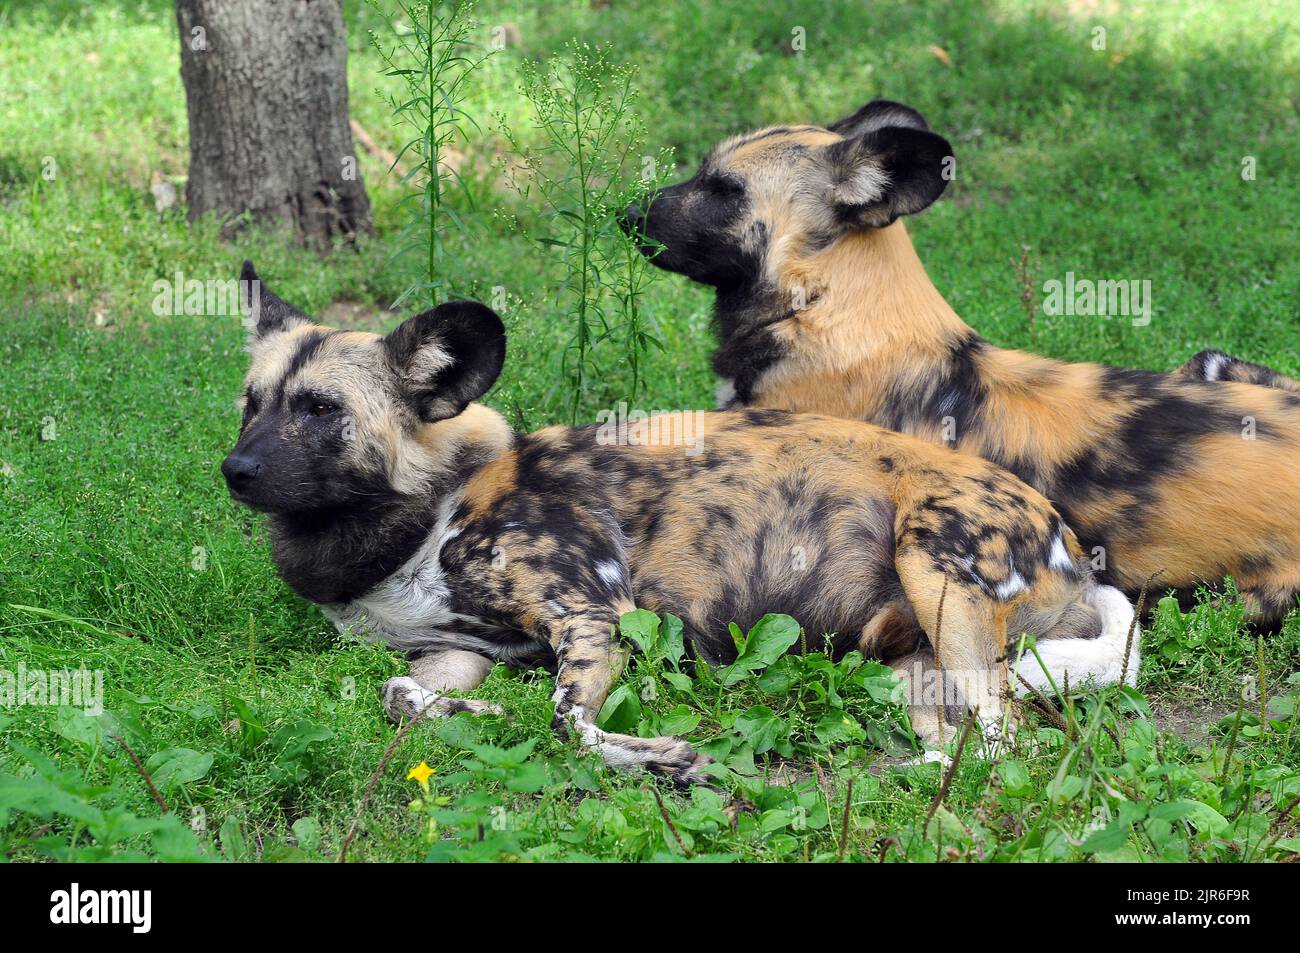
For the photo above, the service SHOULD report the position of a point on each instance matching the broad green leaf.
(781, 675)
(174, 841)
(176, 766)
(251, 729)
(679, 721)
(1015, 778)
(737, 637)
(306, 831)
(672, 642)
(231, 836)
(528, 778)
(292, 742)
(1207, 821)
(642, 627)
(775, 820)
(1107, 839)
(37, 795)
(835, 727)
(761, 728)
(75, 725)
(770, 638)
(510, 757)
(621, 711)
(1282, 707)
(678, 681)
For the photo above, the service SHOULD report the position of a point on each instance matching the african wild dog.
(822, 306)
(411, 513)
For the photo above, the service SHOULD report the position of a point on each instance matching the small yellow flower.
(420, 774)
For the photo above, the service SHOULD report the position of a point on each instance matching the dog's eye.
(322, 409)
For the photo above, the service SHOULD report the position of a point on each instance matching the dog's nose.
(239, 469)
(632, 218)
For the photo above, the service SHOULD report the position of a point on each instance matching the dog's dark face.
(334, 419)
(792, 189)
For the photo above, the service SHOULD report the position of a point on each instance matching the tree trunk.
(266, 89)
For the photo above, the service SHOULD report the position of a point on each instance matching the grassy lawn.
(120, 550)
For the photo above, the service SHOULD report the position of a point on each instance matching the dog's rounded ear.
(447, 357)
(885, 173)
(267, 313)
(879, 114)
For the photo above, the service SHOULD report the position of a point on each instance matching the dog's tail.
(1217, 366)
(1095, 662)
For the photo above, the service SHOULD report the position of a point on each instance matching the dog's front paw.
(405, 698)
(670, 758)
(682, 763)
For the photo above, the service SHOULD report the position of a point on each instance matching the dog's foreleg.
(589, 662)
(430, 677)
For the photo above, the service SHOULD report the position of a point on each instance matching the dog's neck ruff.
(855, 307)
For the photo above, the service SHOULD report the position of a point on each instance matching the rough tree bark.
(267, 95)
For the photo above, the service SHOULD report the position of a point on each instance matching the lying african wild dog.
(822, 306)
(409, 512)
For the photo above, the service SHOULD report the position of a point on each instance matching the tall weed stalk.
(428, 47)
(584, 162)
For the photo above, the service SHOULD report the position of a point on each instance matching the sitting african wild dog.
(822, 306)
(412, 514)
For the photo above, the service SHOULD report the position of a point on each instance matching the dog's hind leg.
(430, 677)
(1270, 599)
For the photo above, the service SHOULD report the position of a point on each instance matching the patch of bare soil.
(1191, 722)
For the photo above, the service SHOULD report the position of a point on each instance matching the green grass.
(1120, 164)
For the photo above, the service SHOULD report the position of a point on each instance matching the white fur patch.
(1097, 662)
(1060, 556)
(1013, 586)
(865, 184)
(410, 609)
(929, 756)
(415, 694)
(611, 573)
(607, 746)
(1214, 366)
(614, 755)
